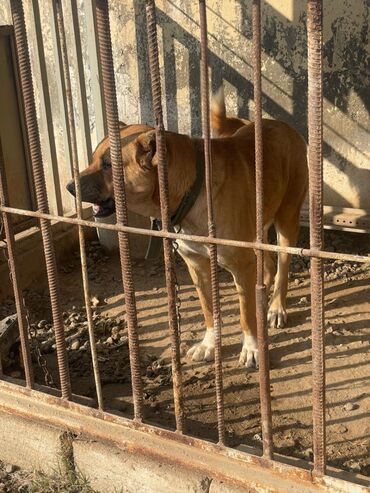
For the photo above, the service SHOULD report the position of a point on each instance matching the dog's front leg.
(200, 272)
(245, 278)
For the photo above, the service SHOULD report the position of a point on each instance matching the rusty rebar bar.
(216, 308)
(261, 295)
(81, 235)
(14, 275)
(267, 247)
(165, 212)
(110, 97)
(21, 44)
(315, 160)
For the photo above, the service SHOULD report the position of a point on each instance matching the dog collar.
(187, 202)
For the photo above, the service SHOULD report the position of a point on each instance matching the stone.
(115, 333)
(308, 454)
(96, 301)
(75, 345)
(350, 406)
(9, 468)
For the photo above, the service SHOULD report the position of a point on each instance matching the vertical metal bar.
(40, 187)
(95, 70)
(81, 83)
(10, 243)
(165, 213)
(81, 234)
(109, 88)
(261, 296)
(217, 324)
(46, 117)
(315, 145)
(66, 172)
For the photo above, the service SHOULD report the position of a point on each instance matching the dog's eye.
(106, 164)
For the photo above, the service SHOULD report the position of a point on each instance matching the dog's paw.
(249, 353)
(277, 317)
(205, 350)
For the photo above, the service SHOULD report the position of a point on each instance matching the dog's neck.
(181, 158)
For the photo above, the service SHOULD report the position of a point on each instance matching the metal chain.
(41, 360)
(175, 246)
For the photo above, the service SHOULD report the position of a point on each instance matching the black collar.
(183, 209)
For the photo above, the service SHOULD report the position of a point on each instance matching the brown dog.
(285, 184)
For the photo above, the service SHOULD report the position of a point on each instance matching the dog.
(233, 164)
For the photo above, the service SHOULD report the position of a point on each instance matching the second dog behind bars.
(285, 186)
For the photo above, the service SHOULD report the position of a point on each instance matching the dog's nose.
(71, 188)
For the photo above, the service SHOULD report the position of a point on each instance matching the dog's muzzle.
(103, 208)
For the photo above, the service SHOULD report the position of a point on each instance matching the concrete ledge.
(28, 444)
(110, 469)
(220, 487)
(114, 451)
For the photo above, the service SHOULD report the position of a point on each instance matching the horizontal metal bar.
(302, 252)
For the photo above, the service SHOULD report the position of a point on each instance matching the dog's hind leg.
(287, 229)
(200, 272)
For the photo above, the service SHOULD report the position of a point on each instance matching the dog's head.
(138, 148)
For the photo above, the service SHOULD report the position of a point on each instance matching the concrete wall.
(346, 78)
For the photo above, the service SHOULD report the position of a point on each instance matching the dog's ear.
(146, 149)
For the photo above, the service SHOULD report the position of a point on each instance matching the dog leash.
(187, 202)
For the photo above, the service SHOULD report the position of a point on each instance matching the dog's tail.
(218, 112)
(221, 124)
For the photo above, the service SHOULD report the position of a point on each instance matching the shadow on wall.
(346, 71)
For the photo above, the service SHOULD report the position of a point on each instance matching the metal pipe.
(109, 90)
(74, 153)
(315, 146)
(261, 295)
(216, 308)
(165, 213)
(301, 252)
(21, 44)
(14, 276)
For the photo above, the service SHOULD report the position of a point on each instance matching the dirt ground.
(347, 302)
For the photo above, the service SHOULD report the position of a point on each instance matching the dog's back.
(280, 141)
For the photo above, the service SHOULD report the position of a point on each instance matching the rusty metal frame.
(69, 411)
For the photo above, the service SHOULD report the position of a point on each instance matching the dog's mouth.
(104, 208)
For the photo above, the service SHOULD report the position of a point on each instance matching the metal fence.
(315, 252)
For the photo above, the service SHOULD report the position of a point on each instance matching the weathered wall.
(346, 78)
